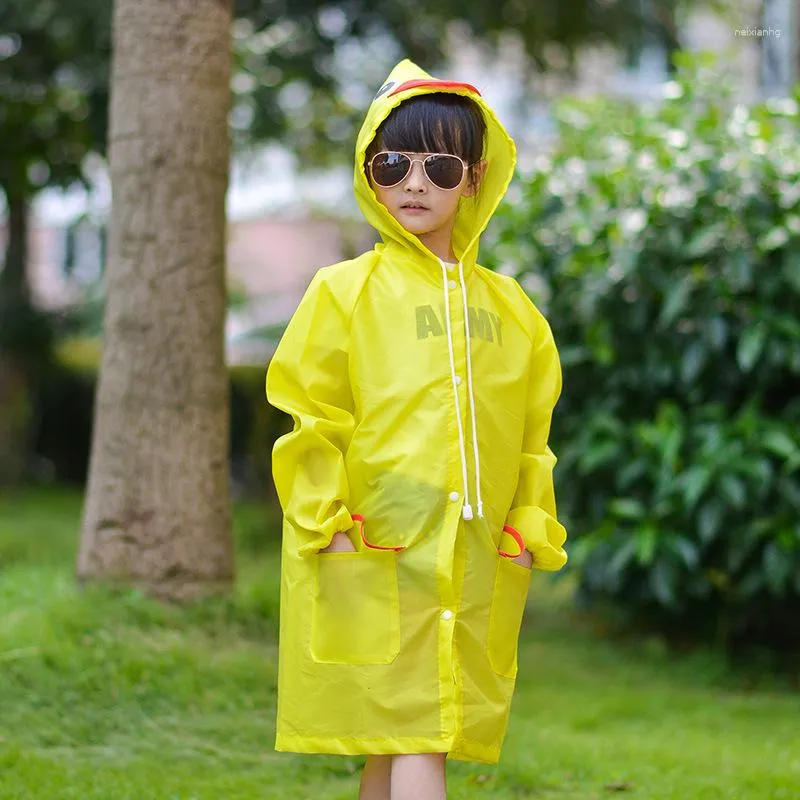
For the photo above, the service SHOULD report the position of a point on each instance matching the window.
(84, 251)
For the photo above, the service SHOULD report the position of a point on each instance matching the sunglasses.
(443, 170)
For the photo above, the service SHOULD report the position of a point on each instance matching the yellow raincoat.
(422, 396)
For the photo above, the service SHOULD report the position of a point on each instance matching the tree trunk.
(14, 384)
(13, 278)
(157, 512)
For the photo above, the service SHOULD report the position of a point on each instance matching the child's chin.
(416, 226)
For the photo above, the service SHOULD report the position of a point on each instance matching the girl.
(416, 483)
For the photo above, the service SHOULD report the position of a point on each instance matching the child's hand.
(339, 544)
(525, 558)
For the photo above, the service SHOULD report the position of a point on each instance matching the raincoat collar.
(408, 80)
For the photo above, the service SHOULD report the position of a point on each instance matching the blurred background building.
(285, 223)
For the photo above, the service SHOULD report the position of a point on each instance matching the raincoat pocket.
(355, 617)
(511, 585)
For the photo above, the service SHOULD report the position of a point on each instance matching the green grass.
(115, 697)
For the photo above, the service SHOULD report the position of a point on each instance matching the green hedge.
(663, 244)
(64, 403)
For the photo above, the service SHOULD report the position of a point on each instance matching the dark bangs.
(439, 122)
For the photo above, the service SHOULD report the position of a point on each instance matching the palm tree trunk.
(157, 512)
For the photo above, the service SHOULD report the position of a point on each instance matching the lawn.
(115, 697)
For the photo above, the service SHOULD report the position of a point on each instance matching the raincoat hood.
(408, 80)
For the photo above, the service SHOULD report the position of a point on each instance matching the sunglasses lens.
(445, 171)
(390, 168)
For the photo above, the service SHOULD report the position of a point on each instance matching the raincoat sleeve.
(308, 378)
(533, 510)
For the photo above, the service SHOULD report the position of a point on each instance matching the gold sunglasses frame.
(464, 167)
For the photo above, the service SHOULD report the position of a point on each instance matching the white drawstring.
(471, 393)
(467, 509)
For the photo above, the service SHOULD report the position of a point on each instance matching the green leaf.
(686, 549)
(631, 472)
(734, 490)
(791, 464)
(627, 508)
(646, 540)
(693, 361)
(749, 347)
(777, 567)
(706, 240)
(780, 443)
(709, 520)
(695, 481)
(622, 557)
(750, 585)
(676, 300)
(663, 582)
(790, 492)
(598, 454)
(773, 239)
(717, 332)
(571, 355)
(740, 269)
(791, 269)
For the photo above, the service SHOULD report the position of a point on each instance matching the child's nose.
(415, 181)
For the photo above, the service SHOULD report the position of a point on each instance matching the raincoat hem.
(344, 746)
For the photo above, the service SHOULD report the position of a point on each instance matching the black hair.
(437, 122)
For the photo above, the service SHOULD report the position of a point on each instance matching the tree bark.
(13, 278)
(14, 383)
(157, 511)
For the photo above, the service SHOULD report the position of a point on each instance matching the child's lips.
(414, 209)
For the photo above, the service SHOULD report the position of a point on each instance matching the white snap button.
(454, 496)
(452, 284)
(447, 614)
(458, 380)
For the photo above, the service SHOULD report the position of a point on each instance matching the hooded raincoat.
(421, 395)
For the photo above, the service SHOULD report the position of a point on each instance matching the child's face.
(420, 206)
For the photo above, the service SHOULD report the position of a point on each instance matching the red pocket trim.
(517, 538)
(362, 525)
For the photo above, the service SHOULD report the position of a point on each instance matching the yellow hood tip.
(407, 80)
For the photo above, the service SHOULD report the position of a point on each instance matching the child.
(416, 484)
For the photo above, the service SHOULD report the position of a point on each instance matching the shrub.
(64, 402)
(663, 244)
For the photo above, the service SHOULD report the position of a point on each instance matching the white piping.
(471, 393)
(467, 509)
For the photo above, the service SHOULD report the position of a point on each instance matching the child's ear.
(473, 185)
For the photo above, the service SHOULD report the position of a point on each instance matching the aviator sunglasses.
(443, 170)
